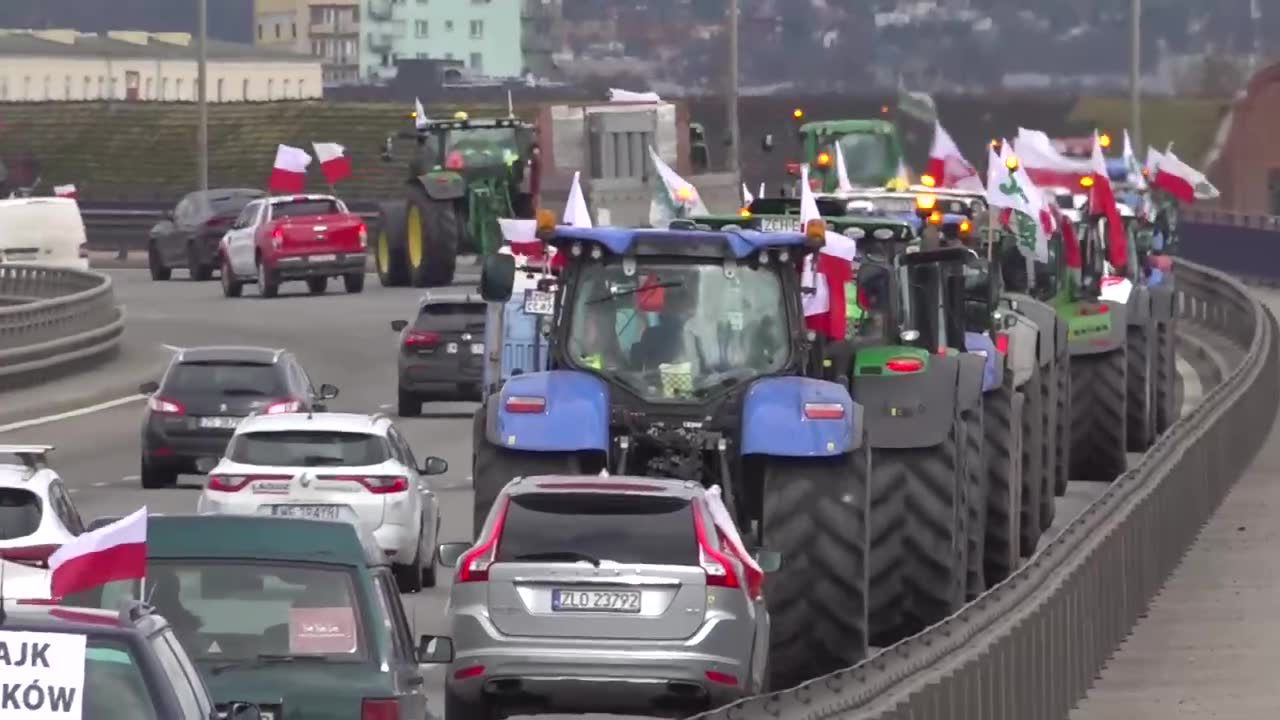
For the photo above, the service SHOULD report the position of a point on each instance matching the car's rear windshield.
(308, 448)
(224, 611)
(20, 513)
(225, 378)
(114, 686)
(231, 203)
(451, 315)
(634, 529)
(299, 208)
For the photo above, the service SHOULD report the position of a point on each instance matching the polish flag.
(1182, 181)
(522, 236)
(947, 165)
(1103, 201)
(826, 272)
(112, 552)
(66, 191)
(334, 162)
(289, 173)
(1045, 164)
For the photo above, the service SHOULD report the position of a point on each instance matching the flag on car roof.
(826, 272)
(947, 165)
(1182, 181)
(112, 552)
(66, 191)
(576, 213)
(673, 196)
(1103, 200)
(289, 173)
(334, 162)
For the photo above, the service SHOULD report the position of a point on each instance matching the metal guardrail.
(52, 318)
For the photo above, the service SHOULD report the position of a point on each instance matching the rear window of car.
(114, 686)
(459, 315)
(231, 203)
(631, 529)
(299, 208)
(308, 448)
(20, 513)
(213, 378)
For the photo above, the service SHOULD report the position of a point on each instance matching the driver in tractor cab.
(668, 341)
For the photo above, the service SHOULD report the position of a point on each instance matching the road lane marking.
(33, 422)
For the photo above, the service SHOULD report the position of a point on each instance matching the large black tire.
(1049, 439)
(919, 537)
(155, 476)
(1166, 375)
(1003, 413)
(199, 271)
(388, 246)
(815, 515)
(155, 264)
(1098, 399)
(231, 287)
(1062, 427)
(432, 235)
(979, 487)
(1140, 406)
(1033, 467)
(268, 281)
(492, 467)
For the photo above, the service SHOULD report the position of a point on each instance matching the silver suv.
(604, 594)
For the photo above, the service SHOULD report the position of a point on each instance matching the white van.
(42, 230)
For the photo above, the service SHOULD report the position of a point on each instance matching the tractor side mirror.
(497, 278)
(766, 142)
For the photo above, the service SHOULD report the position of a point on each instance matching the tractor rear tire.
(1033, 470)
(1049, 440)
(976, 468)
(1062, 427)
(492, 467)
(815, 515)
(1166, 375)
(1001, 546)
(1098, 399)
(1143, 355)
(389, 246)
(919, 537)
(432, 233)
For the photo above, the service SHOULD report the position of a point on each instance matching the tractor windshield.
(678, 329)
(923, 321)
(866, 158)
(479, 147)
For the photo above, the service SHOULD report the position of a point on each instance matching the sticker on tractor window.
(322, 631)
(735, 321)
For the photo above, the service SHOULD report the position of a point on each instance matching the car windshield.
(482, 146)
(308, 448)
(114, 686)
(452, 316)
(20, 513)
(866, 157)
(632, 529)
(676, 329)
(225, 611)
(213, 378)
(300, 208)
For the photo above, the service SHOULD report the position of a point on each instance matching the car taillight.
(454, 161)
(277, 238)
(380, 709)
(227, 483)
(421, 339)
(721, 678)
(362, 232)
(284, 405)
(376, 484)
(468, 672)
(474, 565)
(904, 365)
(715, 564)
(165, 406)
(1002, 343)
(525, 404)
(823, 411)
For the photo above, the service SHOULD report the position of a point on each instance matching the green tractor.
(464, 174)
(871, 148)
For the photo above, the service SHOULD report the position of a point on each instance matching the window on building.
(259, 31)
(420, 28)
(302, 85)
(220, 82)
(448, 56)
(48, 88)
(244, 90)
(1273, 190)
(294, 28)
(423, 56)
(88, 84)
(4, 87)
(286, 90)
(271, 88)
(66, 88)
(164, 88)
(477, 62)
(149, 89)
(102, 87)
(477, 28)
(448, 26)
(177, 90)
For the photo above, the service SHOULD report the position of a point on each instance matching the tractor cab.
(871, 149)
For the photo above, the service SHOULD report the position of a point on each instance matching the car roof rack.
(32, 456)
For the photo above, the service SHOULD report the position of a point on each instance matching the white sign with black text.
(41, 675)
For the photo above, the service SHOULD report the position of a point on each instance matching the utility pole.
(1135, 78)
(1255, 14)
(731, 92)
(202, 93)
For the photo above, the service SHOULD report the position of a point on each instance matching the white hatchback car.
(334, 466)
(36, 518)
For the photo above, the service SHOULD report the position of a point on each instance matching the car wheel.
(268, 281)
(231, 287)
(155, 264)
(354, 282)
(409, 577)
(317, 285)
(200, 272)
(429, 569)
(455, 708)
(408, 404)
(155, 478)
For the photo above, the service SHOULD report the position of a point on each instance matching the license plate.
(451, 348)
(620, 601)
(323, 258)
(537, 302)
(780, 224)
(313, 512)
(477, 348)
(220, 423)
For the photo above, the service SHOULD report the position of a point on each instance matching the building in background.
(325, 29)
(61, 65)
(483, 34)
(541, 35)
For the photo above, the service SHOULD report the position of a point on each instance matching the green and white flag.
(673, 196)
(1009, 187)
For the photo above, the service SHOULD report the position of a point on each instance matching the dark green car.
(299, 616)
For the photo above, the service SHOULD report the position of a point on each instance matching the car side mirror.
(399, 325)
(769, 561)
(328, 392)
(435, 650)
(766, 142)
(435, 466)
(147, 388)
(449, 553)
(497, 277)
(243, 711)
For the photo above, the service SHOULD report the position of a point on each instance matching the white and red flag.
(827, 272)
(289, 172)
(66, 191)
(1103, 200)
(1181, 180)
(334, 162)
(112, 552)
(947, 165)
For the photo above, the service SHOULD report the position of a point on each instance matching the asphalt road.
(341, 339)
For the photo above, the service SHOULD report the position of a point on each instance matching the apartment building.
(485, 35)
(324, 29)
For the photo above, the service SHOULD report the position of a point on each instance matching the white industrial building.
(66, 65)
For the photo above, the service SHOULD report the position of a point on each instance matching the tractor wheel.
(1098, 396)
(1140, 406)
(1049, 440)
(919, 537)
(492, 467)
(388, 250)
(431, 239)
(1033, 469)
(1062, 427)
(815, 515)
(1003, 420)
(1166, 375)
(976, 468)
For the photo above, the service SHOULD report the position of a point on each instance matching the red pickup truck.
(294, 237)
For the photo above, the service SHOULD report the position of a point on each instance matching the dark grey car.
(442, 351)
(203, 396)
(188, 236)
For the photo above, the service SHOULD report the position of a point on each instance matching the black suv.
(441, 351)
(204, 395)
(134, 666)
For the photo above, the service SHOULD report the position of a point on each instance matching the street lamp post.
(731, 91)
(1135, 76)
(202, 99)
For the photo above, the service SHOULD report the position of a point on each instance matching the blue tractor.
(683, 353)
